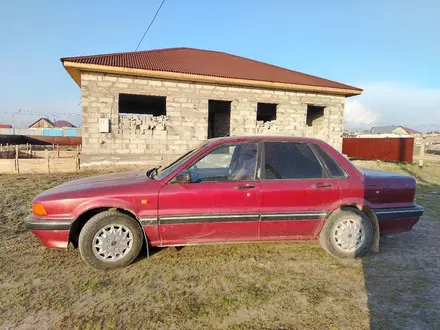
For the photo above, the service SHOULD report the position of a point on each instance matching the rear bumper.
(52, 233)
(398, 220)
(399, 213)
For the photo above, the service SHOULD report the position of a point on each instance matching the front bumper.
(52, 233)
(33, 224)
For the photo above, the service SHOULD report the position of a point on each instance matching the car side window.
(290, 160)
(232, 162)
(334, 168)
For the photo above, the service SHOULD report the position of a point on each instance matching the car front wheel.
(110, 240)
(347, 233)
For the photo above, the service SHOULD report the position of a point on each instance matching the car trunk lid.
(387, 189)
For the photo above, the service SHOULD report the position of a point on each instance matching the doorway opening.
(219, 118)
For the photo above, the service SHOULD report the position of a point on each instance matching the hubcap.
(112, 242)
(348, 235)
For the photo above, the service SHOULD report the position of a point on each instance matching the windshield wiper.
(151, 173)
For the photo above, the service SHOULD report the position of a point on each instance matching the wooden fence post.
(422, 151)
(30, 151)
(58, 151)
(77, 159)
(17, 168)
(47, 158)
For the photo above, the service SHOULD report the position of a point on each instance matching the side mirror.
(183, 177)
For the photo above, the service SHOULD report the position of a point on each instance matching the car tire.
(110, 240)
(347, 233)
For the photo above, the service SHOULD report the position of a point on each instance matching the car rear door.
(220, 204)
(296, 191)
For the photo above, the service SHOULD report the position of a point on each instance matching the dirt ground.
(291, 285)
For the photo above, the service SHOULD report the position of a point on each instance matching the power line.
(136, 49)
(149, 26)
(35, 113)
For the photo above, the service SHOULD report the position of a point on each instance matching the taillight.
(38, 209)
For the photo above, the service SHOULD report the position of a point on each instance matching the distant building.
(42, 123)
(5, 126)
(63, 124)
(353, 133)
(47, 123)
(394, 129)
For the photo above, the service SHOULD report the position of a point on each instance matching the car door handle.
(248, 186)
(322, 185)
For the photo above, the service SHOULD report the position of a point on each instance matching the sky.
(390, 49)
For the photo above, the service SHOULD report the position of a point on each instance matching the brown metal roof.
(63, 123)
(206, 63)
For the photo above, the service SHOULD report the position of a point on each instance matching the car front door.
(221, 203)
(296, 192)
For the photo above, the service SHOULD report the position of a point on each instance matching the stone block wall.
(186, 122)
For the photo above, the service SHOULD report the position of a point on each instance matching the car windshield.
(163, 172)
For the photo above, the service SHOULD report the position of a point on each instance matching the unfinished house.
(150, 106)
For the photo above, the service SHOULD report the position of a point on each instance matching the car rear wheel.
(347, 234)
(110, 240)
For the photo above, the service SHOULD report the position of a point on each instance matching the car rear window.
(290, 160)
(332, 165)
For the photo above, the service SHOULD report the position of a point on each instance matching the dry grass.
(240, 286)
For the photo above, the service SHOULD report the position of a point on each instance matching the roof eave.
(75, 69)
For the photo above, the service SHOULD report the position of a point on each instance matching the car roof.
(231, 139)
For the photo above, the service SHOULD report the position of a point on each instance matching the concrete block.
(103, 84)
(88, 77)
(125, 80)
(154, 83)
(108, 78)
(141, 82)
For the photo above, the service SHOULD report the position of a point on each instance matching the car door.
(221, 203)
(296, 191)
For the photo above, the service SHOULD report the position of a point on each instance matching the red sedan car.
(237, 189)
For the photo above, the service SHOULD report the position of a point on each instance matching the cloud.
(396, 104)
(358, 116)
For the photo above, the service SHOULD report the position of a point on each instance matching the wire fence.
(27, 158)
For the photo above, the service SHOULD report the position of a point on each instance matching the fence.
(388, 149)
(37, 159)
(41, 131)
(40, 140)
(427, 149)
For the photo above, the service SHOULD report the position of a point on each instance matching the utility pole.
(18, 118)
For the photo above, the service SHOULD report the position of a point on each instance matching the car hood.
(107, 182)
